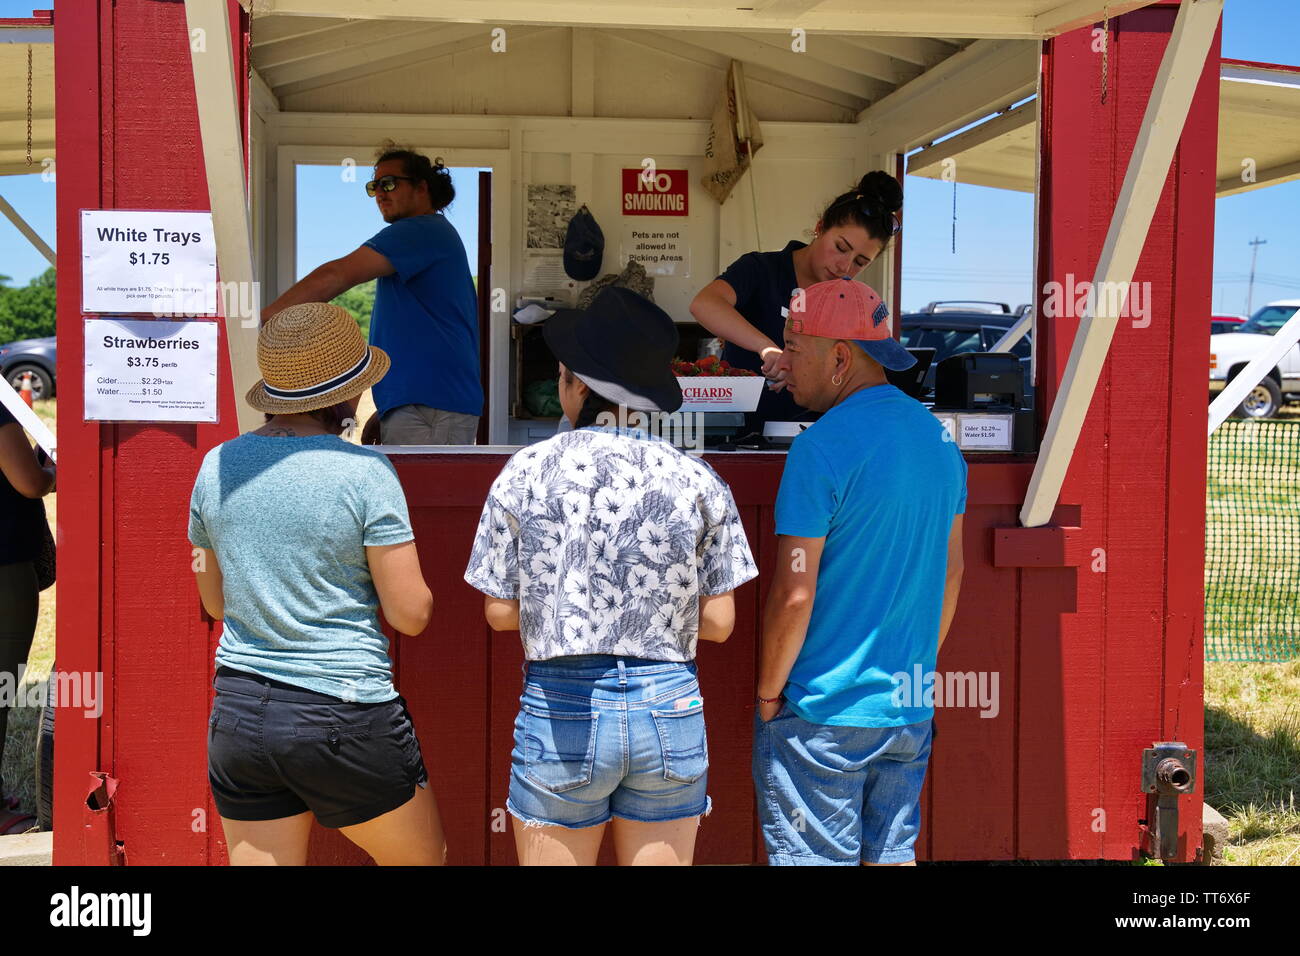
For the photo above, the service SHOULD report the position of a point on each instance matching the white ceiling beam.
(783, 9)
(398, 42)
(965, 21)
(264, 99)
(471, 37)
(582, 72)
(986, 76)
(1271, 176)
(784, 60)
(919, 164)
(345, 35)
(753, 72)
(855, 59)
(1148, 168)
(919, 51)
(223, 160)
(272, 29)
(1081, 13)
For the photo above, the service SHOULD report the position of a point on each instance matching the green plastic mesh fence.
(1252, 542)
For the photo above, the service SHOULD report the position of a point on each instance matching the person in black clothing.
(24, 481)
(745, 305)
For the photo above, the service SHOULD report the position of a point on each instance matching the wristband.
(769, 700)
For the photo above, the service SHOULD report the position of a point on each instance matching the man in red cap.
(869, 519)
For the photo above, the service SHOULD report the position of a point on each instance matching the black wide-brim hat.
(622, 346)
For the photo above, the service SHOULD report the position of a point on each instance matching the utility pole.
(1250, 289)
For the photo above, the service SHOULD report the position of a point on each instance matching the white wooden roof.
(14, 43)
(1259, 137)
(1005, 19)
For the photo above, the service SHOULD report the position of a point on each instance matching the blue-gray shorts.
(600, 736)
(275, 750)
(839, 795)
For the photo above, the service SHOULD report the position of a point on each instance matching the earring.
(837, 380)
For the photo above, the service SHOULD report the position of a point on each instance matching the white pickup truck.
(1231, 351)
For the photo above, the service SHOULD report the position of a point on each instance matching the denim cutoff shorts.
(276, 750)
(600, 736)
(831, 795)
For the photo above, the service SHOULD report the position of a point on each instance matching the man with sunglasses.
(426, 313)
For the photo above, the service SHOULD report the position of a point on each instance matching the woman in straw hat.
(613, 553)
(300, 537)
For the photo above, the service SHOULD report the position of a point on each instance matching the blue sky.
(994, 239)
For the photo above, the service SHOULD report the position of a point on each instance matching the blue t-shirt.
(879, 479)
(289, 519)
(764, 282)
(426, 318)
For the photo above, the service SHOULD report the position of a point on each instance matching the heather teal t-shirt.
(426, 318)
(289, 519)
(878, 479)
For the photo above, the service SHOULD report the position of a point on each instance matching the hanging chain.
(1105, 52)
(29, 104)
(954, 215)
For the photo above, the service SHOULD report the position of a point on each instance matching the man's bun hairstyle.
(871, 205)
(416, 165)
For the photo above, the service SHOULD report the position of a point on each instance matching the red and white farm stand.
(1083, 586)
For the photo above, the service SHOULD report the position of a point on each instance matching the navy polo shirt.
(426, 318)
(764, 283)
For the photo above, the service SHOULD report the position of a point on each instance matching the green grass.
(1252, 758)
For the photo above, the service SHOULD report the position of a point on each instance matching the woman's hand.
(767, 711)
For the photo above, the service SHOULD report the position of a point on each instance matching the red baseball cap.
(847, 309)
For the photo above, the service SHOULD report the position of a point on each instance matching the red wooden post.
(1110, 652)
(128, 138)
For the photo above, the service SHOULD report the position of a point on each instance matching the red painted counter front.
(462, 681)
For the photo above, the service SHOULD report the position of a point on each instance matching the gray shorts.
(422, 425)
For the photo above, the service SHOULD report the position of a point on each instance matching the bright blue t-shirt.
(289, 519)
(877, 477)
(426, 318)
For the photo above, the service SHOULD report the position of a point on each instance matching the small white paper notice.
(155, 262)
(140, 370)
(985, 432)
(664, 250)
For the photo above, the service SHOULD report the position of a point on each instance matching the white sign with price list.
(141, 370)
(157, 262)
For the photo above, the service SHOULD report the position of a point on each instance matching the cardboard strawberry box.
(721, 393)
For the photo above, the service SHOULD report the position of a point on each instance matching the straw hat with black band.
(313, 356)
(622, 347)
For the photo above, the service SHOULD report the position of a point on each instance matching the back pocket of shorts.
(684, 744)
(559, 748)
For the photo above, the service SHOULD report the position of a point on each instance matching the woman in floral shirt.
(612, 552)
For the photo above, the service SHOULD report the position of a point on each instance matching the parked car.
(1230, 352)
(949, 331)
(1219, 324)
(30, 355)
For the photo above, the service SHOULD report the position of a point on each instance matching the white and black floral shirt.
(608, 538)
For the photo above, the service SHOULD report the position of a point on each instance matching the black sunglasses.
(386, 183)
(870, 212)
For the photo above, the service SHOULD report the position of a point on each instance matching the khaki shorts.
(422, 425)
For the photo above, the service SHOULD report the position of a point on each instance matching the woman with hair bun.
(743, 305)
